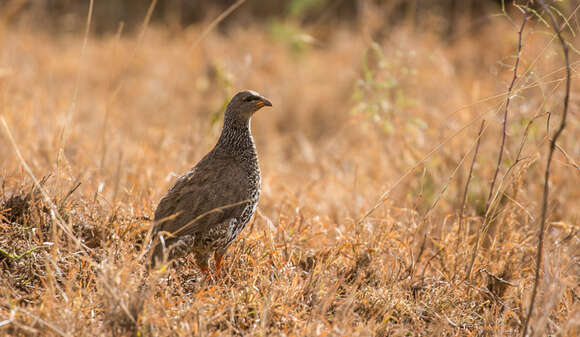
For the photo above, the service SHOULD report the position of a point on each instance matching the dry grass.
(351, 120)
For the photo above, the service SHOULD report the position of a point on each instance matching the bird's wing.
(211, 193)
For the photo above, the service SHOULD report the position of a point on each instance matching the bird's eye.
(251, 98)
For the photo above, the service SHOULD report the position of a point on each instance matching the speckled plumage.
(210, 205)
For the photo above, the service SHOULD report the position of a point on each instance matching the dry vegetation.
(388, 125)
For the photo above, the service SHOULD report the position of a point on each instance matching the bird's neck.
(236, 137)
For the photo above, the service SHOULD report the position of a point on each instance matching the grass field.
(365, 158)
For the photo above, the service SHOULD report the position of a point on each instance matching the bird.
(208, 206)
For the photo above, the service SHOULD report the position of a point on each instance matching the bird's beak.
(263, 102)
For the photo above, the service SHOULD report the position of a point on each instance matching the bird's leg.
(218, 263)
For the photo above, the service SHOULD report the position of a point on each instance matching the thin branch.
(553, 140)
(462, 208)
(570, 160)
(506, 109)
(503, 140)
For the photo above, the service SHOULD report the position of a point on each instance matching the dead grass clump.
(365, 158)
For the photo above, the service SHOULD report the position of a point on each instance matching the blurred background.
(444, 16)
(366, 158)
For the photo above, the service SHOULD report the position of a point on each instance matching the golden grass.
(351, 120)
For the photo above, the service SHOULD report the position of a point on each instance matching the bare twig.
(462, 208)
(553, 140)
(502, 145)
(570, 160)
(506, 109)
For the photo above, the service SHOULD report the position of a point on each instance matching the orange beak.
(263, 102)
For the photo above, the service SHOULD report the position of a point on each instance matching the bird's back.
(219, 188)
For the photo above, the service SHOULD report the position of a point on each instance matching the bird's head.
(244, 104)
